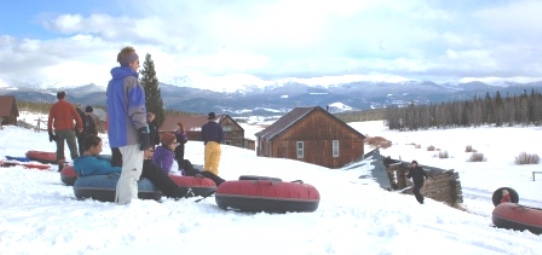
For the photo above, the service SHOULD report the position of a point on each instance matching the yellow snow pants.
(212, 157)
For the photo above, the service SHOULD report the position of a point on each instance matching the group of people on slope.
(132, 136)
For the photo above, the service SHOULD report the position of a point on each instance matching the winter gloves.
(144, 138)
(52, 137)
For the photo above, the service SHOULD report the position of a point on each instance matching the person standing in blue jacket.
(212, 135)
(128, 129)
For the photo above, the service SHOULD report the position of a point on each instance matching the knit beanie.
(167, 139)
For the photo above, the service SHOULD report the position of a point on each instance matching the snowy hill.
(355, 216)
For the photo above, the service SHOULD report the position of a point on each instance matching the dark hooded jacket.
(417, 175)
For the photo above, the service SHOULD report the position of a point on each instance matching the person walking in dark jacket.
(212, 135)
(89, 127)
(154, 137)
(417, 174)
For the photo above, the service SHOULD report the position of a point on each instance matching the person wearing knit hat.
(212, 135)
(128, 129)
(164, 154)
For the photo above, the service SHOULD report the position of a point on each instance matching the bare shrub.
(378, 141)
(443, 154)
(418, 146)
(477, 157)
(437, 149)
(527, 159)
(385, 144)
(468, 148)
(430, 148)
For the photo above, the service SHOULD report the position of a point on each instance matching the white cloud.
(283, 39)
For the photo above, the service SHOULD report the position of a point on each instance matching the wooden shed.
(312, 135)
(8, 110)
(234, 134)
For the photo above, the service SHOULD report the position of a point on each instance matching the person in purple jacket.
(164, 154)
(212, 135)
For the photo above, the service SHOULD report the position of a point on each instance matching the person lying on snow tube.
(91, 164)
(165, 155)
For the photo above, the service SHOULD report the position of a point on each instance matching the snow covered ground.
(40, 215)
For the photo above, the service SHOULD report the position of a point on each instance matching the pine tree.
(153, 96)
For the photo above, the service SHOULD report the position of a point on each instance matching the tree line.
(498, 111)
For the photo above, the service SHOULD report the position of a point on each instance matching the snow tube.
(257, 177)
(518, 217)
(200, 185)
(68, 175)
(20, 159)
(103, 188)
(42, 156)
(497, 195)
(267, 196)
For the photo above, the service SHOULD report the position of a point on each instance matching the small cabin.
(8, 110)
(234, 134)
(312, 135)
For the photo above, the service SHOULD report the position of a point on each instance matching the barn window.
(300, 149)
(227, 142)
(227, 128)
(335, 149)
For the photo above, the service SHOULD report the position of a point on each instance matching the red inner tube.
(269, 189)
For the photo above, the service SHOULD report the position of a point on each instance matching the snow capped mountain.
(280, 97)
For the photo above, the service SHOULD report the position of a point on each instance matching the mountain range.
(278, 99)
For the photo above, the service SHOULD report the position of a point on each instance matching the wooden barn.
(234, 134)
(312, 135)
(8, 110)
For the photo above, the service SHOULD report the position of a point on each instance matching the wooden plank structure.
(444, 185)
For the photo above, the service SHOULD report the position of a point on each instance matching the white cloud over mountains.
(216, 43)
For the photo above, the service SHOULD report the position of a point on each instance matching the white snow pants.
(132, 167)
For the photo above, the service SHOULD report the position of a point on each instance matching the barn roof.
(6, 104)
(191, 123)
(291, 118)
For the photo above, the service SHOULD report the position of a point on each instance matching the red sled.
(25, 165)
(517, 217)
(42, 156)
(200, 185)
(266, 195)
(68, 175)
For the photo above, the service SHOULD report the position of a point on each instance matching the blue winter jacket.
(92, 165)
(125, 107)
(212, 131)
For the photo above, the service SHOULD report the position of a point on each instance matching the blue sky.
(210, 43)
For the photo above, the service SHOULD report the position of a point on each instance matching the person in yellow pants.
(212, 135)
